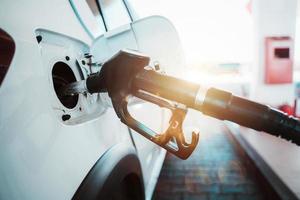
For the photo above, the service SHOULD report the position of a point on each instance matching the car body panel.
(42, 156)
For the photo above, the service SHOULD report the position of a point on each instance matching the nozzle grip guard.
(172, 139)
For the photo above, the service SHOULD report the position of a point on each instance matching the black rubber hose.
(225, 106)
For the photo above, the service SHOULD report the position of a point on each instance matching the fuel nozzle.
(125, 75)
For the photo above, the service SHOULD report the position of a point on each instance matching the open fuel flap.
(68, 60)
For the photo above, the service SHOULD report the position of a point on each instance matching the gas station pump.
(279, 62)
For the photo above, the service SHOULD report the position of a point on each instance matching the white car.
(75, 148)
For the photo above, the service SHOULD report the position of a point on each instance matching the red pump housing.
(279, 60)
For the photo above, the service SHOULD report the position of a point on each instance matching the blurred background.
(224, 43)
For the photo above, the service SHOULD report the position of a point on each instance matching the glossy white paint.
(41, 156)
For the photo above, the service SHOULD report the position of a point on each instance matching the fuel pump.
(127, 75)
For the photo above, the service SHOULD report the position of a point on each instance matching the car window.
(115, 13)
(89, 15)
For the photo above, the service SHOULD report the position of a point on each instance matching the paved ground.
(217, 169)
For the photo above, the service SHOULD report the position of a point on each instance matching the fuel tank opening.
(62, 75)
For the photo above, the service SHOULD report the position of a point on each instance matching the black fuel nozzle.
(126, 75)
(118, 77)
